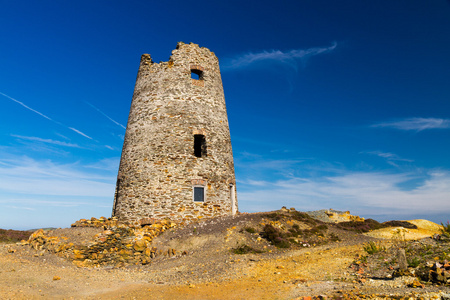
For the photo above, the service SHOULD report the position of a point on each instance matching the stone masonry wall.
(158, 167)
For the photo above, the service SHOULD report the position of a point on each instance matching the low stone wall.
(117, 244)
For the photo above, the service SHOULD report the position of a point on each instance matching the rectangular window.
(199, 194)
(196, 74)
(200, 149)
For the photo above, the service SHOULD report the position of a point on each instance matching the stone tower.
(176, 159)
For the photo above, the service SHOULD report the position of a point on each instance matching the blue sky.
(331, 104)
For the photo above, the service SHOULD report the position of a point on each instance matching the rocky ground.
(278, 255)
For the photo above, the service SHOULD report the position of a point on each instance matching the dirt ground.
(209, 270)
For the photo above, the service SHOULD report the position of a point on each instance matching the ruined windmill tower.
(176, 159)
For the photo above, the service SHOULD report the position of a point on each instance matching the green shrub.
(282, 243)
(322, 227)
(303, 217)
(414, 262)
(275, 236)
(334, 237)
(446, 228)
(244, 249)
(274, 216)
(250, 229)
(372, 248)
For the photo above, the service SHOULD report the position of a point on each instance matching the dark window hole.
(200, 145)
(196, 74)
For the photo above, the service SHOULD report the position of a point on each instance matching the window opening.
(200, 145)
(199, 194)
(196, 74)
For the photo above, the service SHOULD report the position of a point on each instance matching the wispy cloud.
(29, 202)
(274, 164)
(24, 175)
(391, 158)
(109, 164)
(20, 207)
(27, 107)
(80, 133)
(374, 193)
(108, 117)
(47, 141)
(314, 185)
(417, 124)
(63, 136)
(37, 193)
(279, 56)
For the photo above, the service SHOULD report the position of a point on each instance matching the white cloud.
(36, 202)
(391, 158)
(47, 141)
(276, 56)
(417, 124)
(382, 193)
(274, 164)
(20, 207)
(23, 175)
(109, 164)
(63, 136)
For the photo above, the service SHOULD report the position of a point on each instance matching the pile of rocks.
(93, 222)
(440, 272)
(117, 245)
(334, 216)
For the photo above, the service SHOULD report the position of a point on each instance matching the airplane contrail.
(115, 122)
(80, 133)
(48, 118)
(27, 107)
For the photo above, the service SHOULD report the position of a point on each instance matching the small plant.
(282, 243)
(443, 256)
(372, 248)
(322, 227)
(303, 217)
(274, 216)
(414, 262)
(334, 237)
(245, 249)
(250, 229)
(274, 236)
(399, 238)
(446, 228)
(363, 259)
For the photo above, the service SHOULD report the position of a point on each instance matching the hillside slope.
(277, 255)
